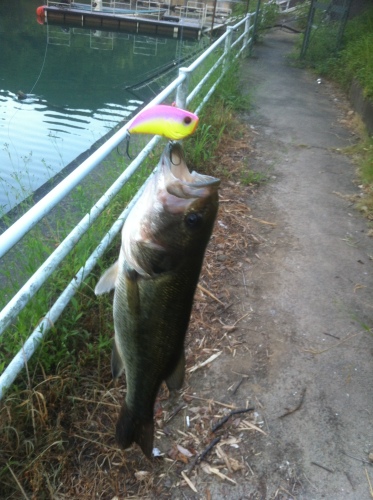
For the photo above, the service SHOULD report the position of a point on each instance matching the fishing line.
(43, 64)
(32, 88)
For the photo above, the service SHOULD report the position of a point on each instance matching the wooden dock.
(139, 22)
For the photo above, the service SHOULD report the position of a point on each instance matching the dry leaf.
(230, 441)
(141, 475)
(184, 451)
(236, 465)
(175, 454)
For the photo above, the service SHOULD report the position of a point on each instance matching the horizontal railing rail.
(244, 31)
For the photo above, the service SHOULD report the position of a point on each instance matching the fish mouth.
(172, 194)
(182, 183)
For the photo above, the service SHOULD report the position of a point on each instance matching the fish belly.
(151, 318)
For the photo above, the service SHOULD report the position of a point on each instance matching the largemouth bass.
(163, 244)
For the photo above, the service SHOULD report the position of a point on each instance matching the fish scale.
(155, 281)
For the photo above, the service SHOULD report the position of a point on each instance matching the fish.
(163, 243)
(168, 121)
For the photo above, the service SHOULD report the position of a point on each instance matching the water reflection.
(84, 82)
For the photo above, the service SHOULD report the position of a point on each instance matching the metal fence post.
(182, 90)
(246, 39)
(227, 48)
(256, 21)
(307, 34)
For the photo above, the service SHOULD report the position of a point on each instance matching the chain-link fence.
(325, 26)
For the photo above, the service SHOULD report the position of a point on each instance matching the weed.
(250, 177)
(353, 62)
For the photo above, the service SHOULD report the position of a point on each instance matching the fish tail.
(130, 429)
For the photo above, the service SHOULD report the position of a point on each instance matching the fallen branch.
(202, 455)
(227, 417)
(175, 412)
(296, 408)
(235, 388)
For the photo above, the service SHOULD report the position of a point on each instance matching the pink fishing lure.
(168, 121)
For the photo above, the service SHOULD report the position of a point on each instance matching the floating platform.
(133, 22)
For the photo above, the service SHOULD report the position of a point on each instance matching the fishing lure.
(170, 122)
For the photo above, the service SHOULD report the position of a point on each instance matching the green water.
(84, 83)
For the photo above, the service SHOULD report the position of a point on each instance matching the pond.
(82, 84)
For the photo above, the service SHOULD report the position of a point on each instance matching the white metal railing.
(22, 226)
(192, 15)
(284, 6)
(193, 11)
(153, 9)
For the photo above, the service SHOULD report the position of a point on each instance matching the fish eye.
(187, 120)
(193, 220)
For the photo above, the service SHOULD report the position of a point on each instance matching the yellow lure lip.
(165, 120)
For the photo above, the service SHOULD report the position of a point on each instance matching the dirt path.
(309, 363)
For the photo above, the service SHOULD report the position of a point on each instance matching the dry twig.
(322, 467)
(296, 408)
(207, 292)
(313, 351)
(357, 458)
(370, 484)
(202, 455)
(227, 417)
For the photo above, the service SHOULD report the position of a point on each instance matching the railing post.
(182, 90)
(307, 33)
(246, 39)
(256, 21)
(227, 47)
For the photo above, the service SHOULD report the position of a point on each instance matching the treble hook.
(170, 144)
(128, 137)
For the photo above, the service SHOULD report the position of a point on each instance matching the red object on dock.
(40, 11)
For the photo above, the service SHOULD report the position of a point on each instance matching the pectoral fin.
(107, 281)
(133, 293)
(176, 379)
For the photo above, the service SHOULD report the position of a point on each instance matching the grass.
(362, 155)
(353, 62)
(41, 410)
(250, 177)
